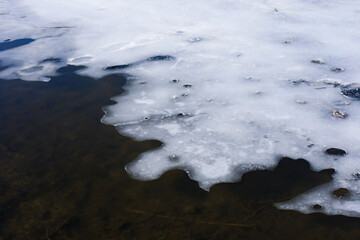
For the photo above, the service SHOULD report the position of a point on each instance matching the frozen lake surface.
(227, 86)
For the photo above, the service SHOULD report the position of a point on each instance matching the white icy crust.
(241, 58)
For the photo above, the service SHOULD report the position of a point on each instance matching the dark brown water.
(62, 177)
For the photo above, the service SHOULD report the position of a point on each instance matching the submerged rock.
(173, 158)
(335, 151)
(195, 40)
(339, 114)
(317, 61)
(340, 192)
(300, 101)
(337, 69)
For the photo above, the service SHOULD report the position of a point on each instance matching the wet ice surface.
(227, 86)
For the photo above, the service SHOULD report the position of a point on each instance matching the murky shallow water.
(62, 177)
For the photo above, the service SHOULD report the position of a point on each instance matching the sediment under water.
(62, 177)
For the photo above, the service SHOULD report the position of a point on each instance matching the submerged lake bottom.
(62, 176)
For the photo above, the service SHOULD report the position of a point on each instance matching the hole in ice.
(317, 206)
(8, 44)
(341, 192)
(70, 68)
(352, 93)
(335, 151)
(160, 58)
(150, 59)
(118, 67)
(52, 60)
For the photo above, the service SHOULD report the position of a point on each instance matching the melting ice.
(228, 86)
